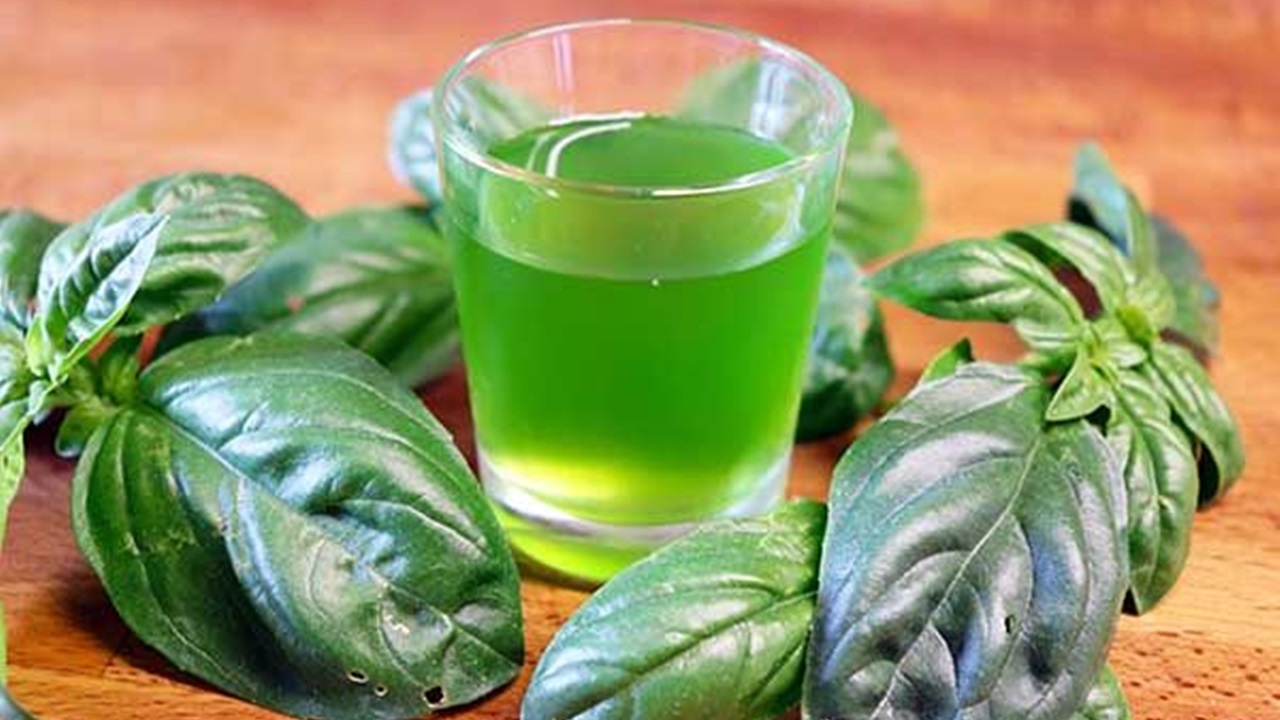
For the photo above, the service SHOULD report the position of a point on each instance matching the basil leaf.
(375, 278)
(1080, 248)
(84, 297)
(219, 227)
(280, 518)
(1105, 701)
(713, 625)
(1082, 391)
(24, 235)
(880, 209)
(991, 281)
(12, 468)
(1101, 201)
(1160, 477)
(411, 146)
(948, 362)
(15, 383)
(849, 367)
(1196, 298)
(1200, 410)
(973, 559)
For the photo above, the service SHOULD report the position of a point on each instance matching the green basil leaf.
(1160, 477)
(24, 235)
(375, 278)
(849, 367)
(84, 297)
(15, 385)
(1084, 250)
(411, 146)
(1101, 201)
(880, 209)
(1114, 344)
(1105, 701)
(991, 281)
(948, 362)
(713, 625)
(1199, 408)
(1082, 391)
(1196, 298)
(973, 559)
(279, 517)
(220, 227)
(12, 468)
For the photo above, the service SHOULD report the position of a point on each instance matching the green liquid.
(634, 361)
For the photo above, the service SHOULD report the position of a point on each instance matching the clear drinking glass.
(638, 212)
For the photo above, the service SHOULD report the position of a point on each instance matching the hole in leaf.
(1010, 624)
(380, 691)
(433, 695)
(358, 677)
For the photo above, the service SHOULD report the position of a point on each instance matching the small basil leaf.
(1105, 701)
(1196, 298)
(991, 281)
(1100, 200)
(411, 146)
(1082, 391)
(1081, 248)
(78, 425)
(375, 278)
(219, 227)
(279, 517)
(849, 367)
(24, 235)
(948, 362)
(713, 625)
(1151, 295)
(880, 209)
(82, 299)
(973, 559)
(1199, 408)
(1160, 477)
(1114, 343)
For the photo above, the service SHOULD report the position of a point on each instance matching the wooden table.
(990, 96)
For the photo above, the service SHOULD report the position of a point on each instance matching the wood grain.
(991, 97)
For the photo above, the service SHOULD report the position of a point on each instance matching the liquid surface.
(635, 398)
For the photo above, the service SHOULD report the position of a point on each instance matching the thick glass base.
(567, 547)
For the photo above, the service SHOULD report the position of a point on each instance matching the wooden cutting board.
(990, 97)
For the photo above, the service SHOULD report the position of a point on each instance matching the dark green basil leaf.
(411, 146)
(280, 518)
(991, 281)
(1160, 477)
(1105, 701)
(849, 367)
(1200, 410)
(375, 278)
(24, 235)
(15, 383)
(712, 626)
(974, 559)
(880, 209)
(948, 362)
(1082, 391)
(1100, 200)
(84, 297)
(1196, 298)
(219, 227)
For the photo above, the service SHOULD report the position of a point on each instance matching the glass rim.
(449, 134)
